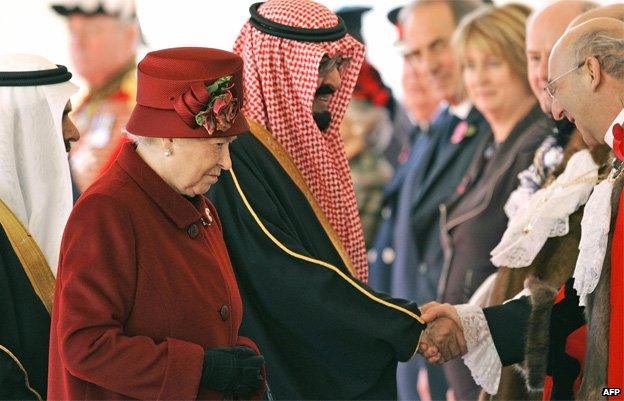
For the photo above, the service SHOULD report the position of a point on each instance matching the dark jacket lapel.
(501, 161)
(448, 155)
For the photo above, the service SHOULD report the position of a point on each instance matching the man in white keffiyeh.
(35, 201)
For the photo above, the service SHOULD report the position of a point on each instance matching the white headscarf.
(35, 180)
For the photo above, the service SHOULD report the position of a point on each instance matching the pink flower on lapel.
(459, 133)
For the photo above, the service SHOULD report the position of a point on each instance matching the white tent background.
(29, 26)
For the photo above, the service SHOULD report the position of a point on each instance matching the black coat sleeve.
(508, 326)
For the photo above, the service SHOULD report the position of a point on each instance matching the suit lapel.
(393, 187)
(418, 152)
(446, 157)
(420, 159)
(501, 161)
(427, 157)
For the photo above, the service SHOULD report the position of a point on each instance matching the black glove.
(236, 371)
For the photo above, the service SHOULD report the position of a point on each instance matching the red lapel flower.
(618, 141)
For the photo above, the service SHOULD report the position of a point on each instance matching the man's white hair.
(608, 49)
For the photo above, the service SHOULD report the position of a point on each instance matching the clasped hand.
(236, 371)
(443, 339)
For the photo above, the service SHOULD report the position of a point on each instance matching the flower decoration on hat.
(214, 106)
(222, 107)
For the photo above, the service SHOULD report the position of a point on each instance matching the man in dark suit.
(407, 257)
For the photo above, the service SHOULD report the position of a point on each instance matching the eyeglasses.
(550, 86)
(327, 64)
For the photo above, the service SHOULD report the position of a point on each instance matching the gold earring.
(168, 152)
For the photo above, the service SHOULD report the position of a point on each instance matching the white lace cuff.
(482, 358)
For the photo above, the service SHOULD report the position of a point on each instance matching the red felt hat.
(189, 92)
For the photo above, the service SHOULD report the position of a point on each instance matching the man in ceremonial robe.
(35, 201)
(290, 218)
(586, 81)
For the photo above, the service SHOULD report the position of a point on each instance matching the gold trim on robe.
(29, 255)
(351, 280)
(280, 154)
(283, 158)
(19, 364)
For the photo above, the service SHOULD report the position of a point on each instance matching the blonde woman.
(490, 44)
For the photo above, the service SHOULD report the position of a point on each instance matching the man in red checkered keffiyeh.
(281, 80)
(290, 219)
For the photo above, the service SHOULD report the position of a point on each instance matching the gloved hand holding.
(236, 371)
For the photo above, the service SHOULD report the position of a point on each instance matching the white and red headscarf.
(280, 79)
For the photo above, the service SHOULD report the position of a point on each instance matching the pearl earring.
(168, 152)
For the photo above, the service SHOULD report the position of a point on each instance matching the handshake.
(443, 339)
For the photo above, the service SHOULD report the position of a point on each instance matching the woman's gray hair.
(138, 140)
(609, 51)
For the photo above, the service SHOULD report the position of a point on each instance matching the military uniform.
(100, 118)
(361, 129)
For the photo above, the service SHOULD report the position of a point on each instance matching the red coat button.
(193, 230)
(224, 312)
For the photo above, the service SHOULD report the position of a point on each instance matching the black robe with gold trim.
(24, 331)
(324, 334)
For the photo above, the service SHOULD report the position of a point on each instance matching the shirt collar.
(609, 134)
(174, 205)
(424, 126)
(461, 110)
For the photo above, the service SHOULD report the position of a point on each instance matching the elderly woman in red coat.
(146, 303)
